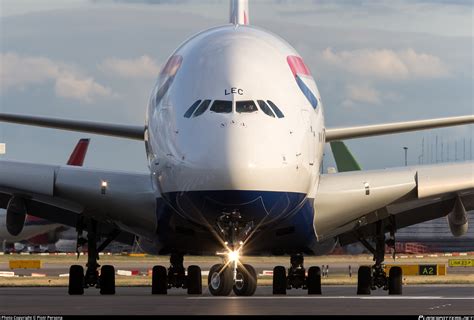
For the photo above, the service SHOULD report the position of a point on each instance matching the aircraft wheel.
(364, 279)
(279, 280)
(159, 280)
(220, 280)
(194, 280)
(107, 280)
(246, 283)
(395, 280)
(313, 282)
(76, 280)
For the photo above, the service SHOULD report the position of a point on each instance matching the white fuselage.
(235, 151)
(234, 154)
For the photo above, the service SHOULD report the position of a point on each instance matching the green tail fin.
(345, 161)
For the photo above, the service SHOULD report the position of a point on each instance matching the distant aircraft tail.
(345, 160)
(79, 153)
(239, 12)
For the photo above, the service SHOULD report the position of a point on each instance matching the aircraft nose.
(236, 154)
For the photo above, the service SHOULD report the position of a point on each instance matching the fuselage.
(235, 122)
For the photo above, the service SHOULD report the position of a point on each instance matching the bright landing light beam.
(233, 255)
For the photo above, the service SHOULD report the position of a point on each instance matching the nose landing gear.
(232, 274)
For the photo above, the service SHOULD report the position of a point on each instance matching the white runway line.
(334, 297)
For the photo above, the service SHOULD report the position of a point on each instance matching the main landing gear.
(105, 281)
(371, 278)
(296, 277)
(175, 277)
(162, 278)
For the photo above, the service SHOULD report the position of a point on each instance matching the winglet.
(345, 161)
(79, 153)
(239, 12)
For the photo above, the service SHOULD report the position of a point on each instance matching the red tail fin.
(79, 153)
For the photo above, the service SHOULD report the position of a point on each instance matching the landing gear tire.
(76, 280)
(395, 280)
(220, 280)
(246, 283)
(364, 280)
(107, 280)
(159, 281)
(194, 280)
(313, 282)
(279, 280)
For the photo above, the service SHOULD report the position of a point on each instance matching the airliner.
(234, 136)
(39, 231)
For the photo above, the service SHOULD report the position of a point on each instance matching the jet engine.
(457, 219)
(16, 215)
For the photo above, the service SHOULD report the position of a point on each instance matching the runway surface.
(336, 300)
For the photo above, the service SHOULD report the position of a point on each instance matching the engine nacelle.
(16, 215)
(457, 219)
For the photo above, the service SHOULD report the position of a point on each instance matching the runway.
(336, 300)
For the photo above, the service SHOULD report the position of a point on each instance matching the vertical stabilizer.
(239, 12)
(345, 161)
(79, 153)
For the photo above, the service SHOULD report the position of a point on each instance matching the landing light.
(103, 187)
(233, 255)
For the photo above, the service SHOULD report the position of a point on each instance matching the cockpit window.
(190, 111)
(202, 108)
(246, 106)
(221, 106)
(277, 111)
(265, 108)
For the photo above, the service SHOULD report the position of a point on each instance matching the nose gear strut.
(242, 278)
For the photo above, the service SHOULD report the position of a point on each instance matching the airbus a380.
(234, 137)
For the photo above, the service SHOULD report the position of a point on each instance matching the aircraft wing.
(388, 128)
(397, 197)
(115, 130)
(65, 194)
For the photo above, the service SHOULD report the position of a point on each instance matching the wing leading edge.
(116, 130)
(397, 127)
(374, 195)
(62, 194)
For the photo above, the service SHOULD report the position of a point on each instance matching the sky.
(374, 62)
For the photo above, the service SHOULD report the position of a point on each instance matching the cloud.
(81, 89)
(387, 64)
(142, 67)
(19, 72)
(361, 93)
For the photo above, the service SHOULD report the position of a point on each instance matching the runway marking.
(334, 297)
(441, 306)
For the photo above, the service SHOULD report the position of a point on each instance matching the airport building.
(435, 236)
